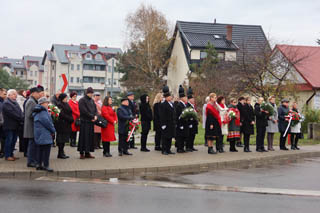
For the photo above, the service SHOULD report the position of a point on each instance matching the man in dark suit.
(182, 129)
(193, 124)
(240, 106)
(135, 113)
(167, 121)
(283, 123)
(261, 125)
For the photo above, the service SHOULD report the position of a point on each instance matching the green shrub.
(310, 116)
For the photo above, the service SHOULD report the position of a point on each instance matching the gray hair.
(11, 91)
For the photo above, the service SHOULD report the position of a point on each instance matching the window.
(35, 73)
(109, 68)
(78, 80)
(52, 66)
(88, 56)
(69, 54)
(71, 79)
(203, 55)
(78, 66)
(21, 72)
(114, 82)
(72, 66)
(35, 82)
(221, 56)
(98, 57)
(109, 81)
(31, 73)
(87, 79)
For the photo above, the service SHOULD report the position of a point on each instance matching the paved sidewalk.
(141, 163)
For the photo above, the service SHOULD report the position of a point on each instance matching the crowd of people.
(91, 121)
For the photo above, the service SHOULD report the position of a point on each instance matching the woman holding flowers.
(295, 130)
(213, 122)
(234, 125)
(223, 110)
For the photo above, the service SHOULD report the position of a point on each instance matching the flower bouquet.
(232, 115)
(189, 114)
(132, 127)
(267, 107)
(295, 118)
(54, 111)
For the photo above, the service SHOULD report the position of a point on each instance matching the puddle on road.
(178, 181)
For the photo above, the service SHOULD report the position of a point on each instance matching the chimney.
(215, 21)
(229, 32)
(83, 46)
(93, 47)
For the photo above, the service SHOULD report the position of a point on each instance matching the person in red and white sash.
(223, 110)
(74, 105)
(234, 125)
(213, 123)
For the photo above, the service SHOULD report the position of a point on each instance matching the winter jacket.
(63, 125)
(261, 117)
(74, 105)
(108, 134)
(283, 123)
(98, 104)
(156, 117)
(146, 114)
(248, 117)
(1, 115)
(28, 119)
(134, 108)
(87, 109)
(182, 129)
(167, 120)
(213, 118)
(223, 112)
(193, 124)
(272, 125)
(234, 124)
(43, 126)
(124, 116)
(12, 115)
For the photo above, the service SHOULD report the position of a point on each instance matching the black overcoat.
(167, 120)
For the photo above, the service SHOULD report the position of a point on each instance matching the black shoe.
(107, 155)
(293, 148)
(221, 151)
(233, 150)
(47, 169)
(39, 168)
(120, 153)
(127, 153)
(284, 148)
(31, 165)
(133, 147)
(195, 150)
(62, 157)
(246, 150)
(264, 150)
(1, 155)
(181, 151)
(211, 151)
(297, 148)
(158, 148)
(239, 145)
(189, 150)
(145, 150)
(165, 153)
(171, 153)
(259, 150)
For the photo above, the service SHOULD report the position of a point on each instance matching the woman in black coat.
(63, 125)
(146, 118)
(156, 121)
(247, 123)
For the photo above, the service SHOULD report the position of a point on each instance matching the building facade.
(83, 66)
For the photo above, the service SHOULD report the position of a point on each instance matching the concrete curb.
(190, 168)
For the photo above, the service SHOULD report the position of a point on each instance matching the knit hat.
(89, 90)
(62, 96)
(129, 94)
(43, 100)
(40, 88)
(190, 93)
(181, 92)
(34, 89)
(166, 92)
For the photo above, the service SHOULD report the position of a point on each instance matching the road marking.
(160, 184)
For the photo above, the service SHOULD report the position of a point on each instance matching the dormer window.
(98, 57)
(88, 56)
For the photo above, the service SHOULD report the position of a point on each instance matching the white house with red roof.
(306, 72)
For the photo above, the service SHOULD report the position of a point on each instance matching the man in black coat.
(168, 122)
(240, 106)
(261, 124)
(193, 124)
(146, 118)
(124, 116)
(13, 117)
(182, 129)
(134, 110)
(283, 123)
(88, 115)
(3, 96)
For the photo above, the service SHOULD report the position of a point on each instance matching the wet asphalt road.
(49, 196)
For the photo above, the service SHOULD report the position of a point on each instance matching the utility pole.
(112, 72)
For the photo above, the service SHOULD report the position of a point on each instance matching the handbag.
(101, 121)
(77, 122)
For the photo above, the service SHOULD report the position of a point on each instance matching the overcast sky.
(29, 27)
